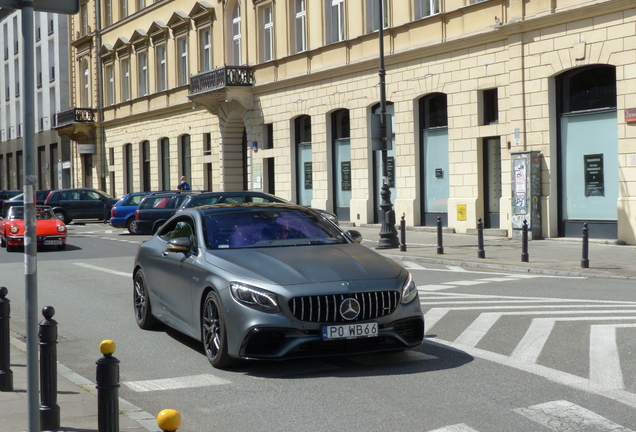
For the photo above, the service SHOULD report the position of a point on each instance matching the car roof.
(249, 206)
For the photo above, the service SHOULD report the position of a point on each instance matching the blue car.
(122, 215)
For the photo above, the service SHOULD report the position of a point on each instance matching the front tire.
(213, 334)
(141, 303)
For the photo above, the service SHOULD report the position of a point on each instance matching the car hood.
(305, 264)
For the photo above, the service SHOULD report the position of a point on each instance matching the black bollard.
(440, 246)
(6, 375)
(107, 389)
(524, 242)
(49, 409)
(585, 262)
(481, 253)
(403, 234)
(106, 211)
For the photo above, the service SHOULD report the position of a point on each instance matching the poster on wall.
(308, 176)
(345, 172)
(390, 169)
(594, 178)
(519, 186)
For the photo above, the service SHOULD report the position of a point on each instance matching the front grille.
(326, 308)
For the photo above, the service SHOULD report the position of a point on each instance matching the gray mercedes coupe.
(273, 281)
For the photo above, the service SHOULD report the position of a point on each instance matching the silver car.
(273, 281)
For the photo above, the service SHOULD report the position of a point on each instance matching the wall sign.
(308, 176)
(630, 115)
(594, 178)
(461, 212)
(345, 173)
(390, 170)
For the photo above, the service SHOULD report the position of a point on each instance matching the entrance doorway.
(492, 181)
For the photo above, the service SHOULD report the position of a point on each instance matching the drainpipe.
(102, 133)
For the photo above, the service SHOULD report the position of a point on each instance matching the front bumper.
(19, 240)
(285, 343)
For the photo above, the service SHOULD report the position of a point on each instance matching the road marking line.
(605, 367)
(413, 266)
(115, 272)
(457, 269)
(434, 287)
(466, 282)
(564, 416)
(506, 279)
(204, 380)
(478, 329)
(456, 428)
(532, 343)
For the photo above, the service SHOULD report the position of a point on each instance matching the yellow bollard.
(169, 420)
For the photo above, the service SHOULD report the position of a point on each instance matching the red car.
(50, 230)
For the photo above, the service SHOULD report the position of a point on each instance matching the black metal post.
(6, 375)
(107, 389)
(481, 253)
(388, 233)
(403, 233)
(440, 245)
(585, 262)
(49, 409)
(106, 210)
(524, 242)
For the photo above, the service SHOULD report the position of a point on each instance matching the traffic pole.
(6, 375)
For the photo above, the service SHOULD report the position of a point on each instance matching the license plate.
(52, 242)
(350, 331)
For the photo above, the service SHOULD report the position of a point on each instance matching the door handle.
(165, 253)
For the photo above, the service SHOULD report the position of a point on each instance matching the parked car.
(155, 209)
(241, 197)
(122, 214)
(80, 203)
(18, 200)
(272, 281)
(49, 230)
(8, 194)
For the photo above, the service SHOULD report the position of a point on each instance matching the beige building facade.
(502, 111)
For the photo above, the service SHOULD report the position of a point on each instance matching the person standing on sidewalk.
(183, 185)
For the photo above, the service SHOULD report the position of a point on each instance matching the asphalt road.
(503, 352)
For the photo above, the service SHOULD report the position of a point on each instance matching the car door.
(92, 204)
(70, 201)
(174, 272)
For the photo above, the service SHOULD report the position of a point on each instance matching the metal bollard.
(585, 262)
(403, 233)
(169, 420)
(106, 212)
(481, 253)
(524, 242)
(49, 409)
(440, 246)
(107, 388)
(6, 375)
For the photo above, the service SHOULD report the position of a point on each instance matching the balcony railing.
(228, 76)
(74, 115)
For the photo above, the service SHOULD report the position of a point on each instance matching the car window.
(260, 199)
(161, 202)
(177, 200)
(206, 201)
(91, 196)
(70, 196)
(179, 229)
(234, 199)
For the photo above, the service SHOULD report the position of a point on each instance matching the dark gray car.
(272, 281)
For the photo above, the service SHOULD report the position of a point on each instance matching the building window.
(300, 25)
(51, 23)
(142, 72)
(268, 136)
(165, 163)
(205, 49)
(207, 143)
(182, 48)
(373, 15)
(125, 77)
(16, 78)
(185, 157)
(141, 4)
(334, 19)
(236, 34)
(490, 107)
(268, 34)
(161, 68)
(111, 156)
(86, 101)
(108, 12)
(128, 166)
(424, 8)
(109, 76)
(145, 167)
(123, 8)
(38, 66)
(84, 19)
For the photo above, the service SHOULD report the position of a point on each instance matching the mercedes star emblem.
(349, 309)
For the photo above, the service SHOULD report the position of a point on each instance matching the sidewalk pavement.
(77, 396)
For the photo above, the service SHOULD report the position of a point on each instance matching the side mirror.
(355, 235)
(181, 244)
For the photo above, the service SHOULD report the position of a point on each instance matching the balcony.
(222, 85)
(77, 123)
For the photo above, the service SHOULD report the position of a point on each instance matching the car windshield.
(17, 213)
(265, 227)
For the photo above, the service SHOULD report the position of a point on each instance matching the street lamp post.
(388, 234)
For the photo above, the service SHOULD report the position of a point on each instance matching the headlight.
(14, 229)
(409, 290)
(253, 297)
(61, 228)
